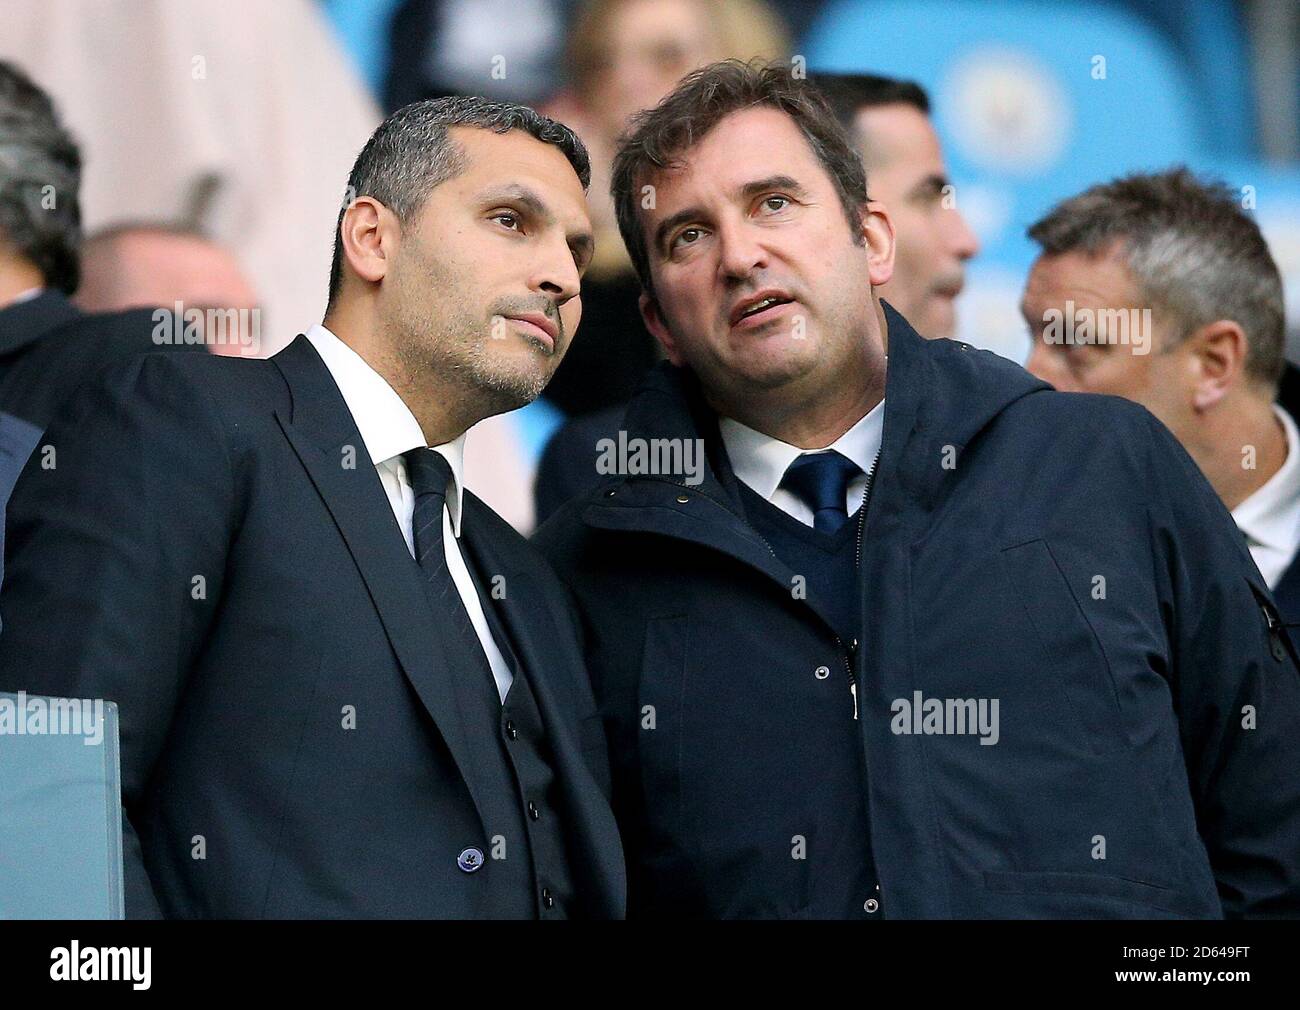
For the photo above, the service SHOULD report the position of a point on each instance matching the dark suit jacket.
(48, 347)
(215, 553)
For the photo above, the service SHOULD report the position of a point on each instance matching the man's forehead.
(500, 155)
(744, 146)
(1085, 278)
(891, 132)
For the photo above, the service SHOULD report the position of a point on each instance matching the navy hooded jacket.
(1058, 553)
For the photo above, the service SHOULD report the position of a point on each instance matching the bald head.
(144, 267)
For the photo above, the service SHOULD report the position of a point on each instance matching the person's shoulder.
(560, 539)
(1096, 415)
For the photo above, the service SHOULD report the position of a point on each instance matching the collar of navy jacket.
(25, 322)
(934, 397)
(321, 430)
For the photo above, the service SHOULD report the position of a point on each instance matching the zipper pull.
(850, 652)
(1274, 633)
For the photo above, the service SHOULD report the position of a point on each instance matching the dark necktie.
(821, 481)
(430, 475)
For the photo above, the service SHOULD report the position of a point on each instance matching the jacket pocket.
(1072, 656)
(1097, 885)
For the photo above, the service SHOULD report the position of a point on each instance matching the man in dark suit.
(346, 687)
(1160, 288)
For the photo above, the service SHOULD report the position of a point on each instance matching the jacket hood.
(938, 393)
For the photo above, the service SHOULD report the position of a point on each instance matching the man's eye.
(775, 203)
(510, 218)
(687, 236)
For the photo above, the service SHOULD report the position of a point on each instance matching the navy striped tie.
(430, 475)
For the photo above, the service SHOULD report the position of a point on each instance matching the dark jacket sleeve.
(116, 539)
(1236, 689)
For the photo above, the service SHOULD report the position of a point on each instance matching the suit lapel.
(536, 641)
(325, 438)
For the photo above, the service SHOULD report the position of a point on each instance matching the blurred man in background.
(1161, 289)
(148, 265)
(47, 345)
(889, 120)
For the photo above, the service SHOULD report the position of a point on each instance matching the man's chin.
(939, 319)
(510, 389)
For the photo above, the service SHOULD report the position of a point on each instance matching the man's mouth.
(759, 309)
(949, 288)
(537, 326)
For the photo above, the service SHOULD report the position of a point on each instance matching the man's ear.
(878, 235)
(1216, 353)
(655, 324)
(369, 232)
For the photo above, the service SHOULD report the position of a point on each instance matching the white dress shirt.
(25, 296)
(1270, 517)
(388, 429)
(760, 461)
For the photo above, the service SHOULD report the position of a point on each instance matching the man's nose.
(557, 275)
(740, 252)
(961, 239)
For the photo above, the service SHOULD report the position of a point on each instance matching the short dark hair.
(848, 94)
(659, 137)
(411, 153)
(40, 175)
(1193, 251)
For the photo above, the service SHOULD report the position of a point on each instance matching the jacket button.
(548, 899)
(683, 498)
(470, 860)
(533, 811)
(511, 731)
(871, 905)
(611, 492)
(822, 672)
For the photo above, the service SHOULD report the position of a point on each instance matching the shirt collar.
(25, 296)
(387, 426)
(1269, 516)
(760, 461)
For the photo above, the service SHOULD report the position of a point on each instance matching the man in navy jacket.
(904, 636)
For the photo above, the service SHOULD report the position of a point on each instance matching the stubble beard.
(444, 345)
